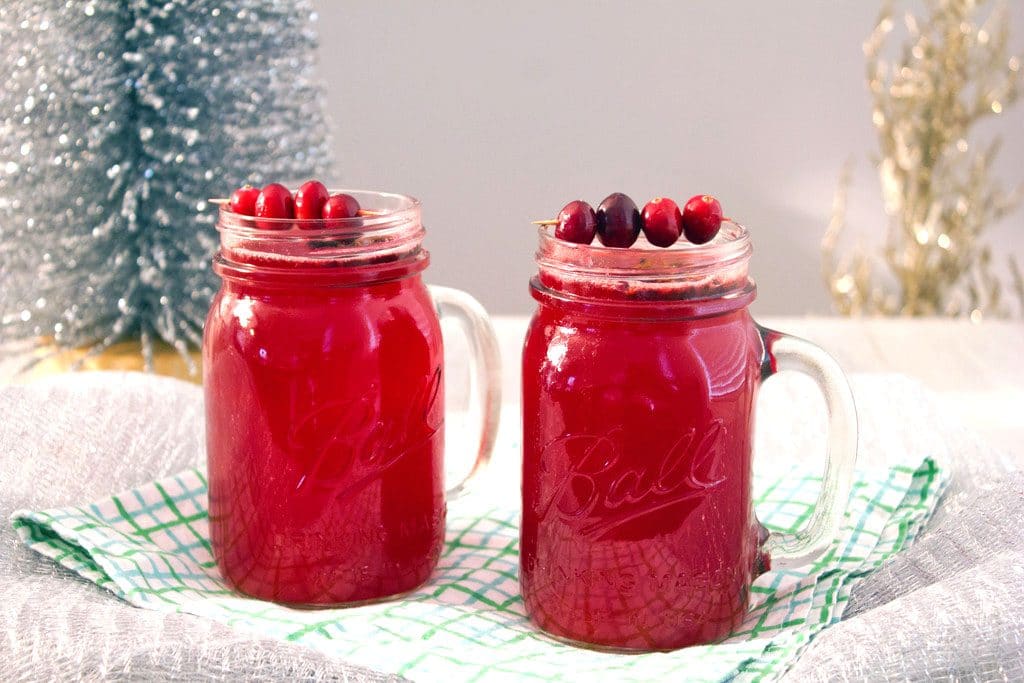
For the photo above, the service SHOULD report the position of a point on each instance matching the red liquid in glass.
(638, 529)
(324, 437)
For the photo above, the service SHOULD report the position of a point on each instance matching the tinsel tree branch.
(118, 119)
(951, 72)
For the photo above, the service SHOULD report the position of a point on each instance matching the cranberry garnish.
(274, 201)
(618, 221)
(702, 218)
(662, 222)
(243, 200)
(341, 206)
(309, 202)
(577, 223)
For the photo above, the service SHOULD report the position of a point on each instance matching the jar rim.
(644, 275)
(390, 210)
(377, 247)
(643, 259)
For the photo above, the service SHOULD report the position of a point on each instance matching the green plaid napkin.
(149, 547)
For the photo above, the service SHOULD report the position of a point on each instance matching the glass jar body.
(325, 414)
(638, 529)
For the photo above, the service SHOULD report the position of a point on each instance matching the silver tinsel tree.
(119, 119)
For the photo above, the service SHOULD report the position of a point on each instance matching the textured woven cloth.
(955, 594)
(149, 546)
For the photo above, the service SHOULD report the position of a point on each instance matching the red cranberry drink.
(640, 373)
(323, 374)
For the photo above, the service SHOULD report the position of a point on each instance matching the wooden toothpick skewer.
(550, 221)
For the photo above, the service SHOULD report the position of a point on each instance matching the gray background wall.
(495, 114)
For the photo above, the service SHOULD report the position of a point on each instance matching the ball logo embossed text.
(602, 487)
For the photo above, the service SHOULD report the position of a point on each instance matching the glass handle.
(484, 370)
(784, 352)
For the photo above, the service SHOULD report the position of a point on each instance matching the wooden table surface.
(975, 370)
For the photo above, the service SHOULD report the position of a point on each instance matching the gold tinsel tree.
(951, 72)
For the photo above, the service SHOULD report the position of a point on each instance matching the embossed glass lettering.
(605, 488)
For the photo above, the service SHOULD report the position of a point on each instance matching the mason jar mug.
(324, 388)
(640, 371)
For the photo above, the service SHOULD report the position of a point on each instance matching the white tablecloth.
(956, 593)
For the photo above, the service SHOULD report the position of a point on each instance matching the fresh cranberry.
(663, 222)
(618, 221)
(309, 202)
(702, 218)
(275, 201)
(340, 206)
(243, 200)
(577, 223)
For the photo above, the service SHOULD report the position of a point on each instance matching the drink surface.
(324, 438)
(638, 529)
